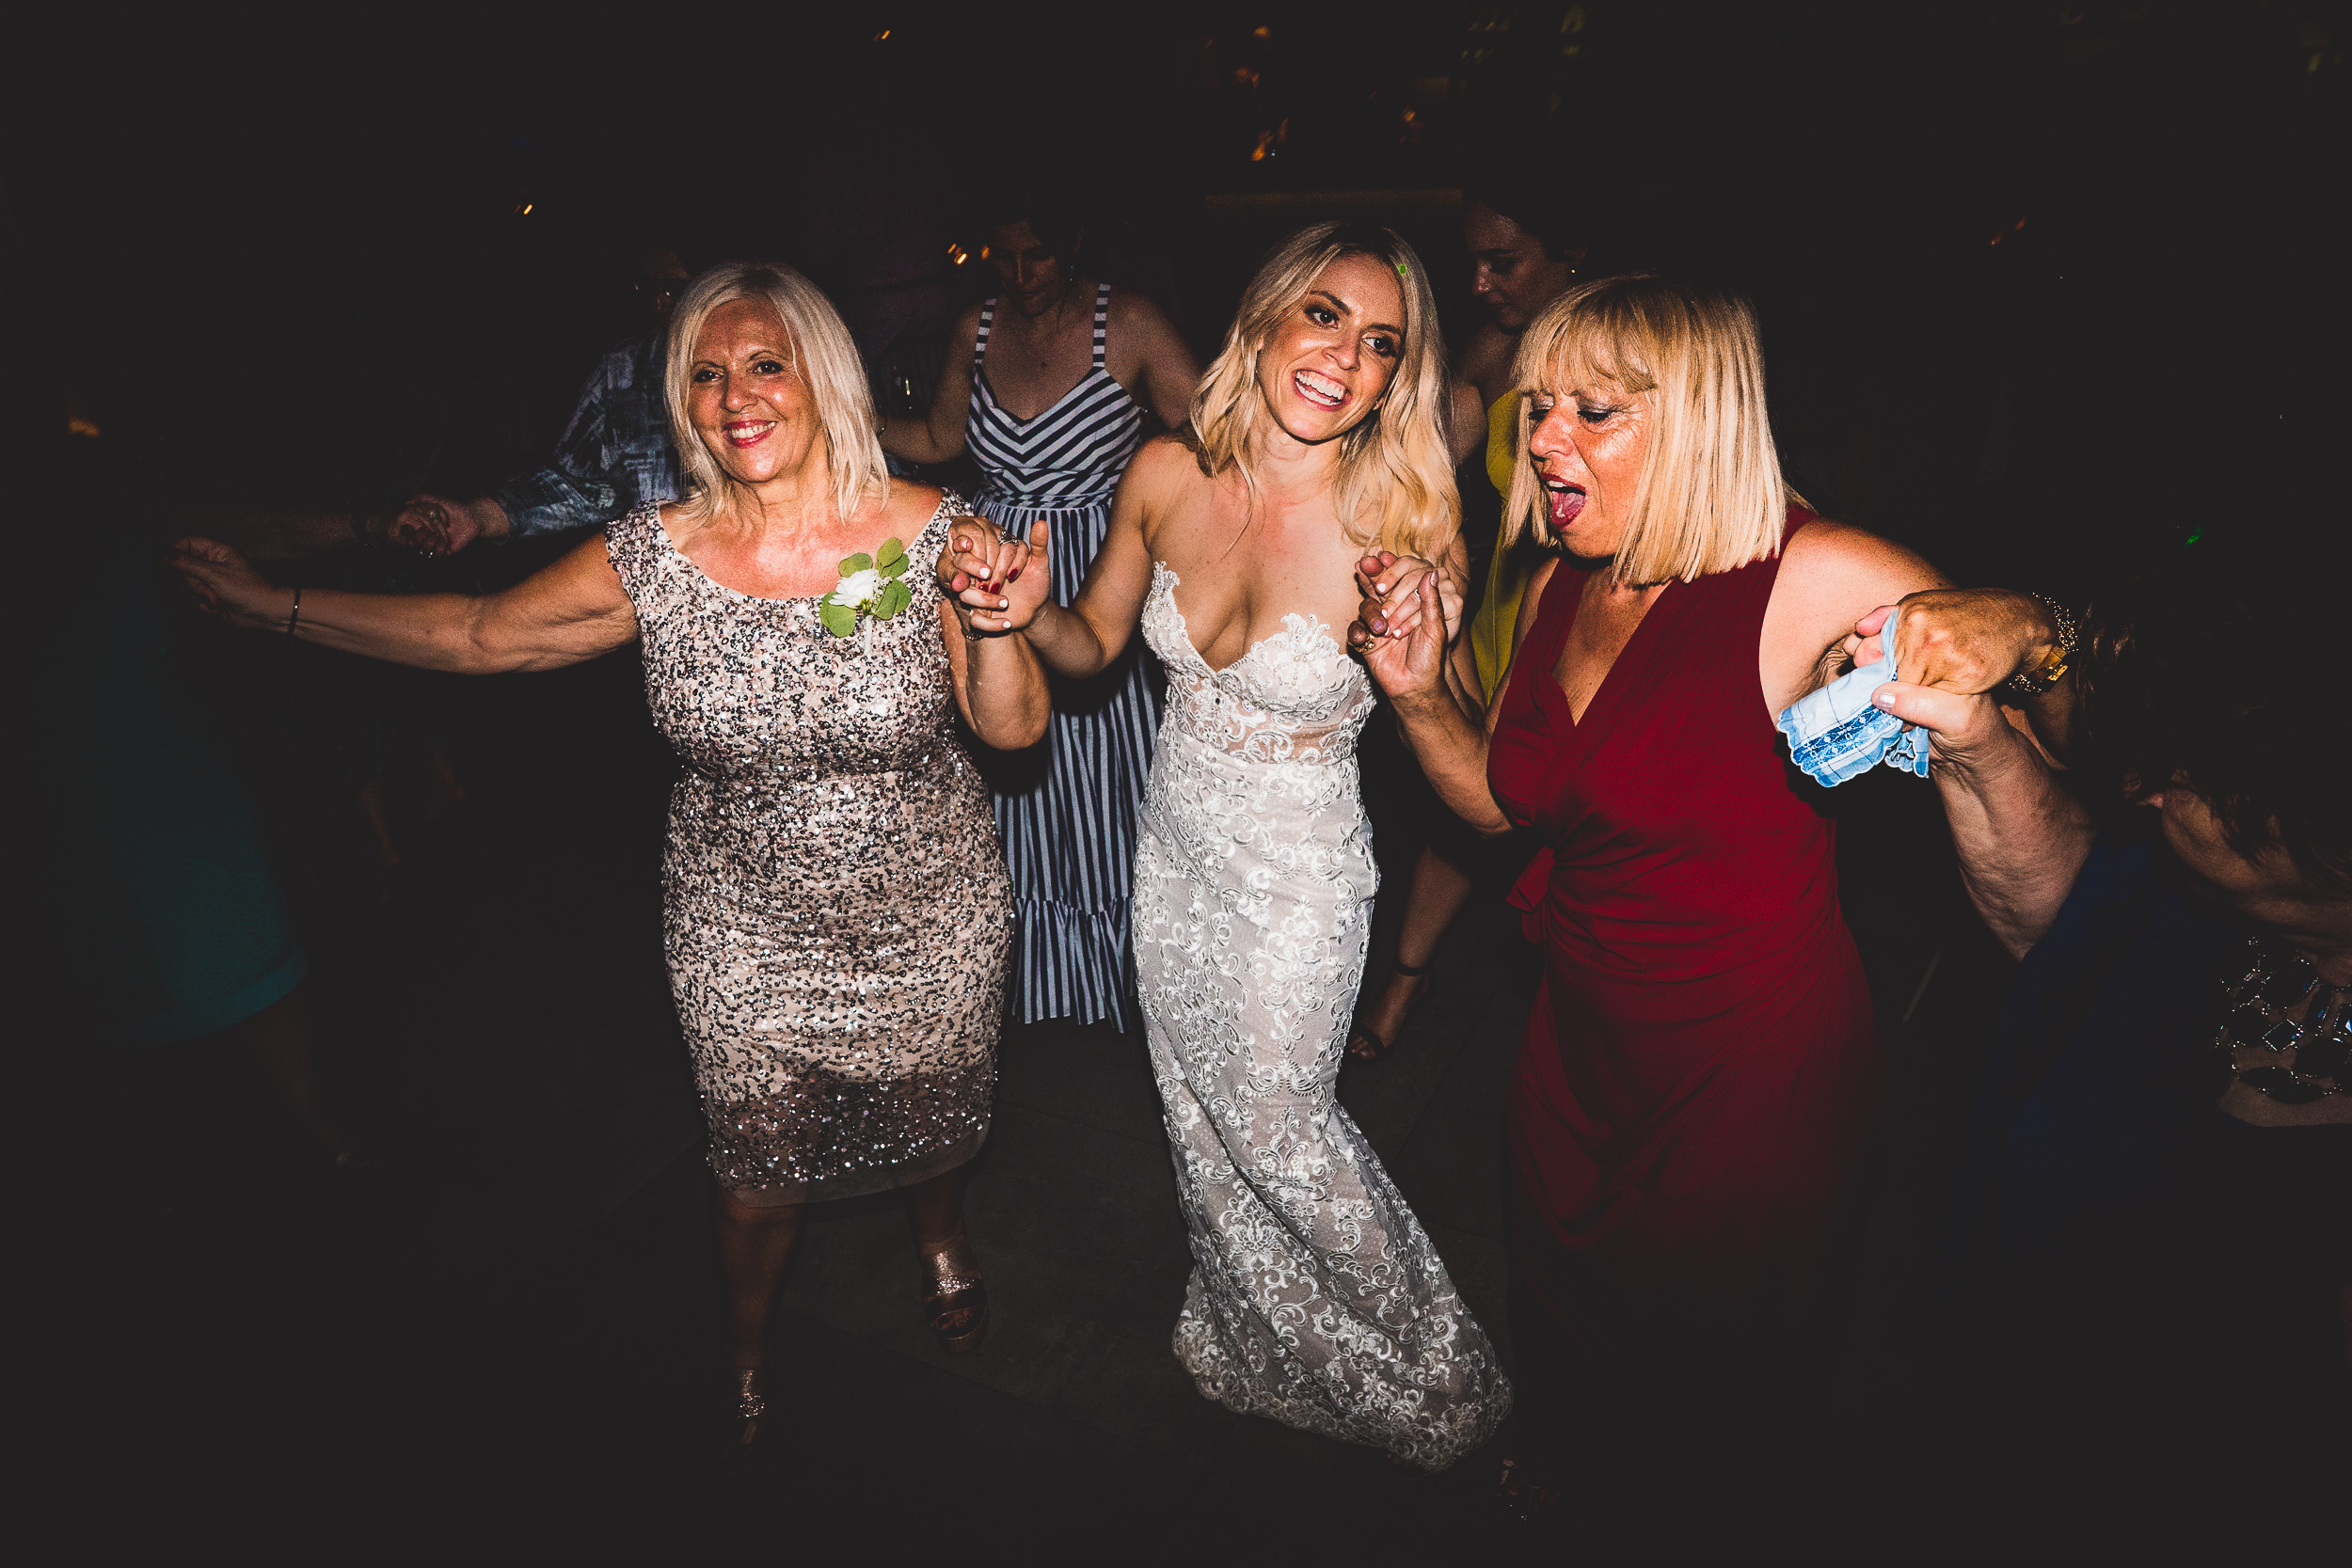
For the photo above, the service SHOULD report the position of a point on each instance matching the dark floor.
(509, 1334)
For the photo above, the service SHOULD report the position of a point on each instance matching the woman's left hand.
(1965, 640)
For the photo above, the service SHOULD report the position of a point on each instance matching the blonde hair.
(1396, 477)
(823, 358)
(1711, 497)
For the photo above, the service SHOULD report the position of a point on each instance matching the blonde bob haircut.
(823, 358)
(1711, 497)
(1395, 477)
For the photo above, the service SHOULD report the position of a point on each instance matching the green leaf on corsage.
(895, 596)
(852, 565)
(839, 619)
(890, 550)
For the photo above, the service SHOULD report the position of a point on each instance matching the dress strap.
(979, 344)
(1102, 320)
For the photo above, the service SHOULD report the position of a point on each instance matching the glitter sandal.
(746, 1406)
(955, 1297)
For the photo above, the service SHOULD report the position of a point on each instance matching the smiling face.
(1587, 447)
(1329, 360)
(1514, 276)
(752, 412)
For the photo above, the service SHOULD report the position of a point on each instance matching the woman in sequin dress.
(839, 978)
(1316, 1298)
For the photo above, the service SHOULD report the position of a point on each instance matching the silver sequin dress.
(1316, 1298)
(837, 910)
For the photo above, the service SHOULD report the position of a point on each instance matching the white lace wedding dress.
(1316, 1298)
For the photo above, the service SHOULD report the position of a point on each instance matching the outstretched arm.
(568, 611)
(278, 532)
(2021, 834)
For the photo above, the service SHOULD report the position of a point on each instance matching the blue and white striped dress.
(1068, 805)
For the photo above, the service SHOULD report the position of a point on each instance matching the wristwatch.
(2052, 667)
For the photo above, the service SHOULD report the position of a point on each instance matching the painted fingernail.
(1883, 696)
(1013, 575)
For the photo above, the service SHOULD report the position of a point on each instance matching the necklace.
(2265, 982)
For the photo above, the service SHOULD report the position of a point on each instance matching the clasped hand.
(996, 585)
(1411, 612)
(224, 583)
(1953, 648)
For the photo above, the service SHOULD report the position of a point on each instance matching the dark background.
(2046, 289)
(280, 262)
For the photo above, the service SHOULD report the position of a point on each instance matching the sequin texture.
(837, 910)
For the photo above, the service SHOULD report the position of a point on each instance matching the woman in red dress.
(1701, 1077)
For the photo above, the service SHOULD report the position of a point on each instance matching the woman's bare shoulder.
(1138, 312)
(1167, 459)
(911, 504)
(1829, 555)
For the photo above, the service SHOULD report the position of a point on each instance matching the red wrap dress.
(1701, 1071)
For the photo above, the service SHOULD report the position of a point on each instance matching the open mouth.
(1565, 500)
(1318, 389)
(748, 433)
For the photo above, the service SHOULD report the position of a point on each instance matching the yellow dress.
(1497, 617)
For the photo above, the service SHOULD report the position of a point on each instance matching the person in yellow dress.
(1528, 239)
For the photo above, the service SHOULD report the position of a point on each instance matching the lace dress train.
(1316, 1299)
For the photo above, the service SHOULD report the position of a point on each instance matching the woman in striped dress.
(1062, 370)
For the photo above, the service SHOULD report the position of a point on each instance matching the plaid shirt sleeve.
(613, 456)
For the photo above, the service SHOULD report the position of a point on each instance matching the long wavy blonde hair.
(1712, 498)
(823, 357)
(1396, 477)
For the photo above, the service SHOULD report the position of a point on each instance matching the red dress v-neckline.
(1636, 649)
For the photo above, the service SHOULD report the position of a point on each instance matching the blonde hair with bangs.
(1396, 477)
(823, 358)
(1711, 497)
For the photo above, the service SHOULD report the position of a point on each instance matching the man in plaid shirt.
(615, 454)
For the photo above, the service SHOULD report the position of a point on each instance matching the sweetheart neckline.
(1316, 625)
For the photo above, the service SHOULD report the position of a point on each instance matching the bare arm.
(276, 532)
(2021, 834)
(1441, 721)
(1166, 370)
(571, 610)
(938, 436)
(1083, 638)
(1000, 686)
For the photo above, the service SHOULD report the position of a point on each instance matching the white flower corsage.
(870, 588)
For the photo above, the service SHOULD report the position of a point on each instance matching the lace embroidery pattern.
(1316, 1299)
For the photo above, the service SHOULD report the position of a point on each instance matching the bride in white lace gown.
(1316, 1298)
